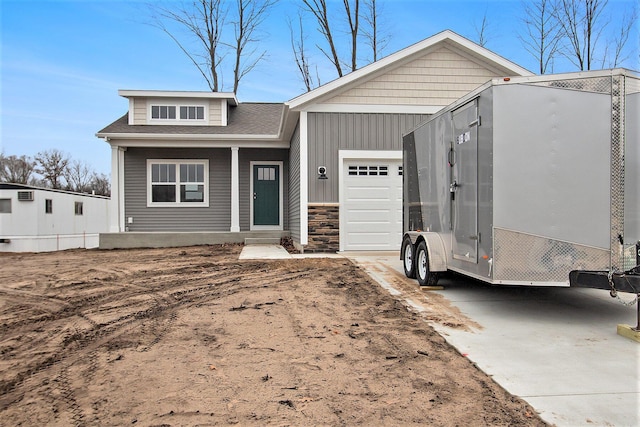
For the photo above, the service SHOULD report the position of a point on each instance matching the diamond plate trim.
(529, 258)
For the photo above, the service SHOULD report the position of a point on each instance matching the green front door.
(266, 195)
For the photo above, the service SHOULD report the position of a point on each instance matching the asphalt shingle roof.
(244, 119)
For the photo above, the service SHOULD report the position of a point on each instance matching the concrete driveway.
(557, 348)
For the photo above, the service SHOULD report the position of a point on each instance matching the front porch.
(164, 239)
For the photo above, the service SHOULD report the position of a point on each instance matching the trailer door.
(464, 182)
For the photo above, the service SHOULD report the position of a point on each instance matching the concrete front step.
(262, 241)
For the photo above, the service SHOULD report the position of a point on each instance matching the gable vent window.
(191, 113)
(167, 112)
(25, 196)
(368, 170)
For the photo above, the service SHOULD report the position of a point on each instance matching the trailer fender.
(437, 253)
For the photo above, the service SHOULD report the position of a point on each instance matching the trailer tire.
(408, 257)
(425, 276)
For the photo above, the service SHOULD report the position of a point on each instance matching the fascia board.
(177, 143)
(182, 137)
(127, 93)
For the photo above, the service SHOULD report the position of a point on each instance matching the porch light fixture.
(322, 172)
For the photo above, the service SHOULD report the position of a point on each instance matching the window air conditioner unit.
(25, 196)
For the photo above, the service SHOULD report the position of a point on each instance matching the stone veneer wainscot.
(324, 228)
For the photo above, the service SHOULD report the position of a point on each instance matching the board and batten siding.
(331, 132)
(437, 79)
(245, 157)
(216, 217)
(294, 186)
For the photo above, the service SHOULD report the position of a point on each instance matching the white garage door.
(372, 215)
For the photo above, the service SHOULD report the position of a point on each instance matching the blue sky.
(63, 61)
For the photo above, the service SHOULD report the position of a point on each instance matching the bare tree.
(206, 21)
(203, 19)
(318, 8)
(52, 165)
(542, 36)
(482, 30)
(100, 184)
(250, 15)
(300, 55)
(18, 170)
(78, 176)
(622, 37)
(372, 33)
(353, 18)
(580, 24)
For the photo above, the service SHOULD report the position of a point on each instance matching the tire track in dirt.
(103, 317)
(151, 317)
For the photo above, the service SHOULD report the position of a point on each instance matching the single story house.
(34, 219)
(324, 168)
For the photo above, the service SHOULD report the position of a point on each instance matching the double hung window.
(178, 182)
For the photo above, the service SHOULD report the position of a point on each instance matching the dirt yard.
(193, 336)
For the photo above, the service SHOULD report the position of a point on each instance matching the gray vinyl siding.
(245, 157)
(330, 132)
(294, 186)
(216, 217)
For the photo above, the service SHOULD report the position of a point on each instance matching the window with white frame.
(191, 112)
(163, 112)
(178, 112)
(178, 182)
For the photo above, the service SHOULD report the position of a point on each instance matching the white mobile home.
(34, 219)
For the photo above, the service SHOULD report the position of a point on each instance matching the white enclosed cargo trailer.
(529, 181)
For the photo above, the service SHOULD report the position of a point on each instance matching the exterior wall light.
(322, 172)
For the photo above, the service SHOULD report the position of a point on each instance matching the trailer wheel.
(425, 276)
(408, 258)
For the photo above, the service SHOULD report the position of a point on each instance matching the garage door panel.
(369, 217)
(369, 241)
(368, 193)
(372, 215)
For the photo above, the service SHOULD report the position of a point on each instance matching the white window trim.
(178, 204)
(280, 225)
(187, 106)
(178, 120)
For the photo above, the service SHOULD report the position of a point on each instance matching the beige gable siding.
(215, 112)
(139, 111)
(438, 78)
